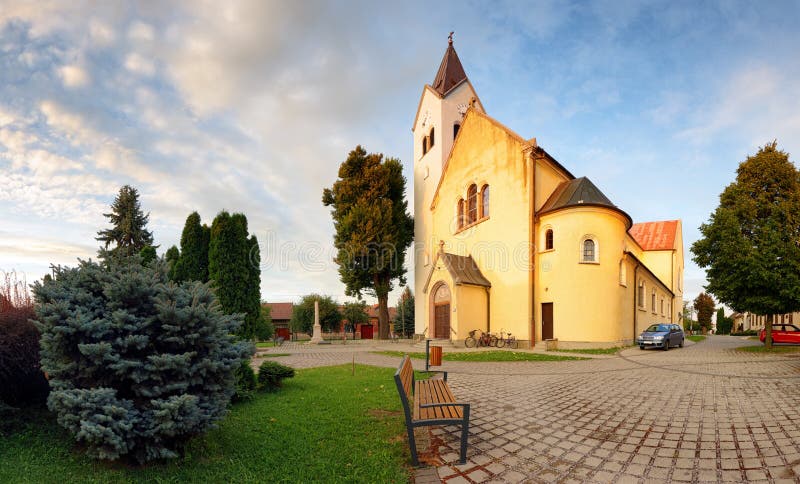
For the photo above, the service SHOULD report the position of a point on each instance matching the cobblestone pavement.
(702, 413)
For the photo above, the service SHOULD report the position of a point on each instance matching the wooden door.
(442, 321)
(366, 331)
(547, 321)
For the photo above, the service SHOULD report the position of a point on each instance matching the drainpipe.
(488, 311)
(532, 238)
(635, 294)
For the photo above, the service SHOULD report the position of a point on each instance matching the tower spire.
(451, 72)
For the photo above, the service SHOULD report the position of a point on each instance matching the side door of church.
(547, 321)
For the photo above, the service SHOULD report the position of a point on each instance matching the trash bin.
(436, 356)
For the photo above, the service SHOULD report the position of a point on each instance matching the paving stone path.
(702, 413)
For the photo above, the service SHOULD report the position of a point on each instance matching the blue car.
(663, 336)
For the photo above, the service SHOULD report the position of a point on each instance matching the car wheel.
(680, 345)
(641, 347)
(666, 344)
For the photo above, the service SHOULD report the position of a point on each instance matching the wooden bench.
(433, 404)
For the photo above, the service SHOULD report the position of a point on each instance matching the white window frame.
(580, 249)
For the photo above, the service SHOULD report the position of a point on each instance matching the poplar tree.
(128, 233)
(373, 227)
(750, 245)
(231, 271)
(193, 262)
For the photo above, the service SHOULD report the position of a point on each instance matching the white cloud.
(137, 64)
(141, 32)
(74, 76)
(101, 33)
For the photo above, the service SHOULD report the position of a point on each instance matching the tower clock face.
(462, 109)
(426, 118)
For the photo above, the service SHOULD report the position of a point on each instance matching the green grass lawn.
(597, 351)
(486, 356)
(272, 355)
(324, 425)
(696, 338)
(775, 349)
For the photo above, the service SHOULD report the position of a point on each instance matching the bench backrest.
(404, 379)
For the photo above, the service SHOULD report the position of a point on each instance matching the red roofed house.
(281, 314)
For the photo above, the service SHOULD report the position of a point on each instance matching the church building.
(508, 239)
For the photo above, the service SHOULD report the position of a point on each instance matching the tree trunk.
(383, 316)
(768, 329)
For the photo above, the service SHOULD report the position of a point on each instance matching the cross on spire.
(450, 38)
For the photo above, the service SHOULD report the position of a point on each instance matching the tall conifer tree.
(128, 233)
(193, 262)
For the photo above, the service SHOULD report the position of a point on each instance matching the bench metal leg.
(464, 435)
(413, 445)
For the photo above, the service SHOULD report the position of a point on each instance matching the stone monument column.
(317, 336)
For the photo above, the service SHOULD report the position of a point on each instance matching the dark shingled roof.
(464, 270)
(450, 73)
(580, 191)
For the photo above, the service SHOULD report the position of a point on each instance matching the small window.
(623, 273)
(548, 239)
(424, 145)
(589, 252)
(460, 214)
(456, 127)
(653, 301)
(430, 143)
(472, 204)
(662, 306)
(640, 298)
(485, 201)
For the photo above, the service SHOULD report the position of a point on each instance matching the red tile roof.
(372, 312)
(655, 235)
(281, 310)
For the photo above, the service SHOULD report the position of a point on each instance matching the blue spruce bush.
(137, 364)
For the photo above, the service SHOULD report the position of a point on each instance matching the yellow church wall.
(660, 262)
(485, 153)
(470, 312)
(588, 301)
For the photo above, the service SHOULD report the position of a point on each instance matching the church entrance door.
(441, 312)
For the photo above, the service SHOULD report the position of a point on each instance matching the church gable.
(482, 145)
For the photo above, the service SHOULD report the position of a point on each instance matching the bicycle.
(485, 339)
(509, 340)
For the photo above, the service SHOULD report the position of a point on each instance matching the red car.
(782, 333)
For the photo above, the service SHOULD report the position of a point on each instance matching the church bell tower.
(441, 110)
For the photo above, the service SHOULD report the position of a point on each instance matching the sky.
(251, 107)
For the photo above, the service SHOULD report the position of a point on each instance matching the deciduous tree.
(355, 312)
(373, 227)
(750, 246)
(303, 314)
(704, 305)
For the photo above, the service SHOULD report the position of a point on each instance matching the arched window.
(653, 301)
(589, 251)
(472, 204)
(456, 127)
(623, 273)
(460, 213)
(424, 145)
(548, 239)
(430, 143)
(485, 201)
